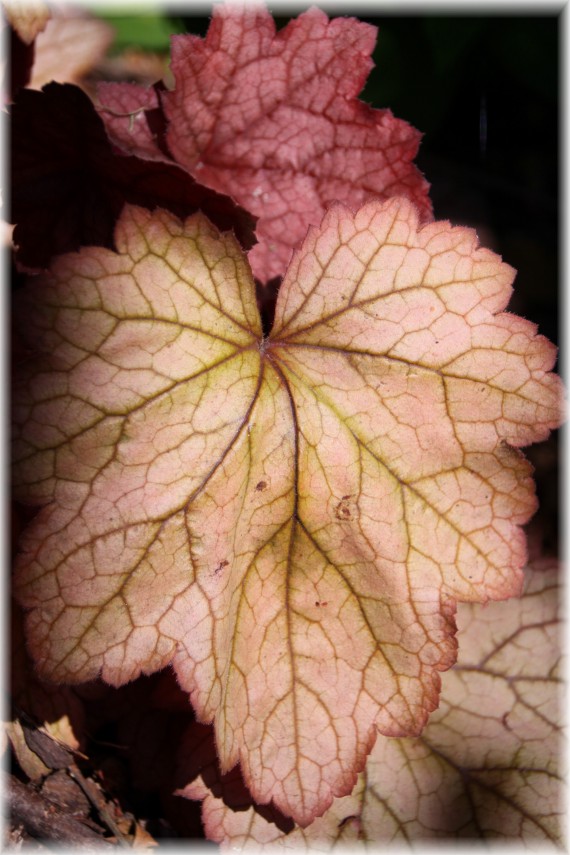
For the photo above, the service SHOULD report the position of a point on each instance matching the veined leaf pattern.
(289, 520)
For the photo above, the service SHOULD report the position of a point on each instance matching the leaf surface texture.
(273, 120)
(487, 765)
(288, 520)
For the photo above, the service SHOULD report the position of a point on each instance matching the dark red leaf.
(70, 184)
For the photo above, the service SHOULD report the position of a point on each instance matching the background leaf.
(487, 766)
(70, 184)
(274, 121)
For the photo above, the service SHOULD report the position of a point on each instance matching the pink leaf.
(487, 765)
(289, 520)
(274, 121)
(126, 109)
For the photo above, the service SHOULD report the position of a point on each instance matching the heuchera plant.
(287, 517)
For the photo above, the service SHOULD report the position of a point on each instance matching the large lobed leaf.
(289, 520)
(487, 765)
(274, 120)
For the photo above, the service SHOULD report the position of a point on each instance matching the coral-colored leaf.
(486, 766)
(127, 109)
(275, 121)
(69, 185)
(288, 520)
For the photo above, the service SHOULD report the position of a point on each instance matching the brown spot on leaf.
(342, 510)
(261, 486)
(220, 567)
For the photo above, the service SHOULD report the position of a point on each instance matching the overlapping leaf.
(127, 112)
(274, 120)
(486, 766)
(69, 184)
(288, 520)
